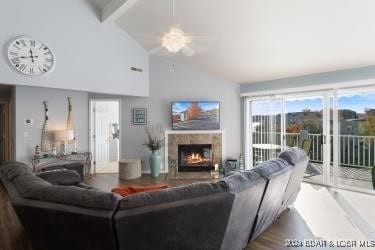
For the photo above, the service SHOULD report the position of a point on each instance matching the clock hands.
(27, 57)
(31, 56)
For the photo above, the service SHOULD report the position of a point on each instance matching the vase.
(155, 163)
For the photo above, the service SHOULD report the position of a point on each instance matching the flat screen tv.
(203, 115)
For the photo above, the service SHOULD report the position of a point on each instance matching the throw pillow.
(126, 190)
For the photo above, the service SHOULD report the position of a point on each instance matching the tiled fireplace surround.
(173, 138)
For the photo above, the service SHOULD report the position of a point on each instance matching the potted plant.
(155, 135)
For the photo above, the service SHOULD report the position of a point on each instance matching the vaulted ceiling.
(257, 40)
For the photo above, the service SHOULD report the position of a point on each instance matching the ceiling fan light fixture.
(174, 40)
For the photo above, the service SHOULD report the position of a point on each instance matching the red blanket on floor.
(126, 190)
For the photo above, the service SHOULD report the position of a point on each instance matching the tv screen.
(195, 115)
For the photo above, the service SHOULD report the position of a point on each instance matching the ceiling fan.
(176, 40)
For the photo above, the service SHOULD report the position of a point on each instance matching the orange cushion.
(126, 190)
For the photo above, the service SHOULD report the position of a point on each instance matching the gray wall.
(178, 83)
(90, 55)
(29, 104)
(315, 79)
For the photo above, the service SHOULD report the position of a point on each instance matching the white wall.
(90, 56)
(178, 83)
(29, 104)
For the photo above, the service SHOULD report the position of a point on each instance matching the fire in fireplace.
(194, 157)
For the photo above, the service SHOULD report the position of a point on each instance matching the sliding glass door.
(356, 120)
(265, 129)
(336, 129)
(306, 128)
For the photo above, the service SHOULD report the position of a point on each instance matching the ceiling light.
(174, 40)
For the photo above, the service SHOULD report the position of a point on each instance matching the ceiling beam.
(115, 8)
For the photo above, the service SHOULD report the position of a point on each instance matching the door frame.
(90, 134)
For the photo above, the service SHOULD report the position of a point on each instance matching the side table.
(52, 160)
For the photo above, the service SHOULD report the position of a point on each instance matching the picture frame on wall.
(139, 116)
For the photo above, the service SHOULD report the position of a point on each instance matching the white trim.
(321, 87)
(327, 139)
(91, 147)
(282, 127)
(115, 8)
(166, 165)
(248, 154)
(336, 141)
(171, 132)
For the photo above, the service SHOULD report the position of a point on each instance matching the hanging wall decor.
(139, 116)
(46, 134)
(71, 143)
(69, 122)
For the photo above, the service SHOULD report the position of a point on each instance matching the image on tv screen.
(195, 115)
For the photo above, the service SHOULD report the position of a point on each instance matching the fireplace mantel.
(203, 136)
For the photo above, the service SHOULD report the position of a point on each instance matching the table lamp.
(61, 136)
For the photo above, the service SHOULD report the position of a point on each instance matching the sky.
(356, 103)
(178, 107)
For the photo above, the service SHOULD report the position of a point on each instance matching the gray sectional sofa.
(59, 212)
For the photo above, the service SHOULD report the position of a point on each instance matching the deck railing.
(355, 151)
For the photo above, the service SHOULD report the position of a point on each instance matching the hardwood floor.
(12, 235)
(290, 225)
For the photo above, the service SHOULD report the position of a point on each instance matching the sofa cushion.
(292, 155)
(272, 168)
(240, 181)
(171, 194)
(11, 170)
(61, 177)
(33, 187)
(84, 185)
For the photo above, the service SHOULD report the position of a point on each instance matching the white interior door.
(104, 131)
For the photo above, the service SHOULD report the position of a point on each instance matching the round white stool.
(130, 169)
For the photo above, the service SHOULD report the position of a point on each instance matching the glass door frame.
(248, 124)
(336, 127)
(333, 91)
(283, 98)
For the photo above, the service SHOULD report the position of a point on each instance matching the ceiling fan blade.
(187, 51)
(155, 50)
(146, 36)
(203, 39)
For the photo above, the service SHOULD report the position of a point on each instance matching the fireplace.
(194, 157)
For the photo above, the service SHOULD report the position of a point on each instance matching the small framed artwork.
(139, 116)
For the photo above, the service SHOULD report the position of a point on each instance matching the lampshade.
(70, 134)
(174, 40)
(64, 135)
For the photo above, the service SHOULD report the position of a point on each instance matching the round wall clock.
(29, 56)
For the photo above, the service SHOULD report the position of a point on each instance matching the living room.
(280, 77)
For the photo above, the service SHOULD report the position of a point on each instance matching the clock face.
(29, 56)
